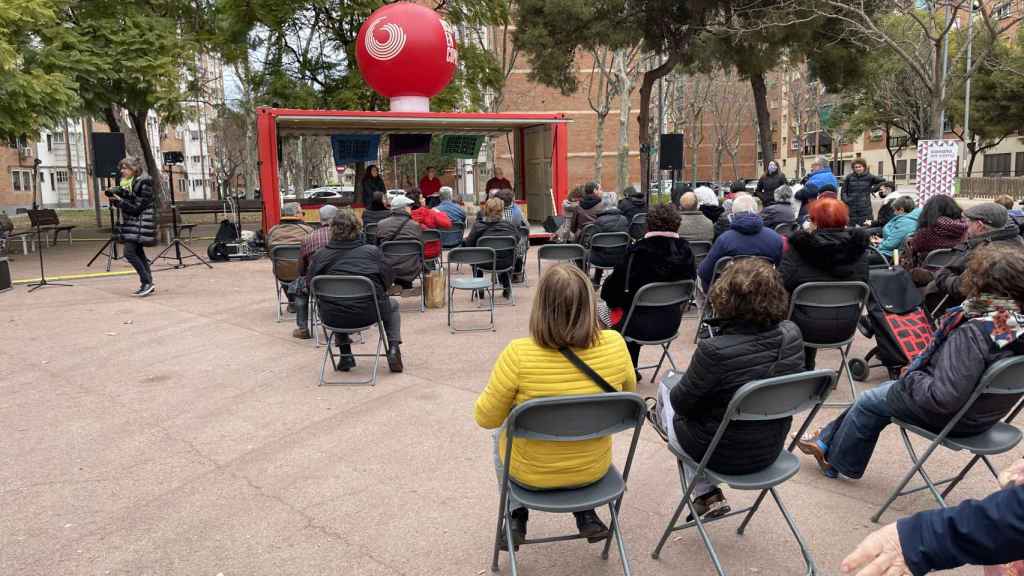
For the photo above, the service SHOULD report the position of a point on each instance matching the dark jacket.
(610, 220)
(806, 195)
(948, 280)
(825, 256)
(352, 258)
(138, 213)
(654, 259)
(632, 205)
(482, 229)
(401, 226)
(945, 233)
(712, 211)
(857, 191)
(374, 216)
(721, 365)
(747, 236)
(933, 393)
(585, 213)
(766, 186)
(979, 532)
(371, 185)
(777, 213)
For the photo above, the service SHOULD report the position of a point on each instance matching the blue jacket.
(455, 213)
(897, 230)
(746, 236)
(819, 178)
(985, 532)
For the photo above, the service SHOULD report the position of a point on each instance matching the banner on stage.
(352, 148)
(937, 162)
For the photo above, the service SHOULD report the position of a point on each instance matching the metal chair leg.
(683, 503)
(963, 473)
(750, 514)
(616, 532)
(808, 560)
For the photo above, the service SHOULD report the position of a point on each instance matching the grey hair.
(744, 203)
(445, 192)
(132, 163)
(291, 209)
(327, 213)
(610, 199)
(821, 161)
(783, 194)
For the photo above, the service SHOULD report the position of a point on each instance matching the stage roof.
(327, 122)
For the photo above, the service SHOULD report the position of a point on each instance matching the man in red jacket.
(430, 186)
(428, 218)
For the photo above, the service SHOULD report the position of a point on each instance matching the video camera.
(111, 192)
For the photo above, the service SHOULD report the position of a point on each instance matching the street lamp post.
(967, 88)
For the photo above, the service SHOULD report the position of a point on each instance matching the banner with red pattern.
(937, 161)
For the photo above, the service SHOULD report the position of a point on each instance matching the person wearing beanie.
(632, 203)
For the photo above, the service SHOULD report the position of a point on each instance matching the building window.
(901, 169)
(913, 169)
(996, 165)
(1002, 11)
(58, 138)
(196, 159)
(62, 176)
(21, 181)
(1020, 164)
(194, 135)
(197, 183)
(881, 167)
(876, 134)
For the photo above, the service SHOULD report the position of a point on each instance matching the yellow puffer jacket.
(525, 371)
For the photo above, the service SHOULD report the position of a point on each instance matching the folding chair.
(878, 254)
(405, 248)
(503, 246)
(839, 303)
(638, 226)
(705, 290)
(786, 228)
(935, 261)
(1004, 377)
(350, 288)
(522, 251)
(700, 249)
(610, 248)
(560, 253)
(658, 295)
(431, 235)
(370, 233)
(280, 255)
(570, 419)
(769, 399)
(471, 257)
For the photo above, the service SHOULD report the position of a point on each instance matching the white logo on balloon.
(384, 51)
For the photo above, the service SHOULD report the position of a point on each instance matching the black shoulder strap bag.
(582, 366)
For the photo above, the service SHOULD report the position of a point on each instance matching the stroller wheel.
(859, 370)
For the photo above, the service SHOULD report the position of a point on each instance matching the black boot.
(347, 361)
(518, 529)
(395, 358)
(591, 526)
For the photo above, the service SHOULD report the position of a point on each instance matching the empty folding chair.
(657, 299)
(575, 253)
(359, 289)
(484, 258)
(1005, 377)
(504, 250)
(570, 419)
(769, 399)
(284, 259)
(408, 249)
(638, 226)
(827, 314)
(607, 250)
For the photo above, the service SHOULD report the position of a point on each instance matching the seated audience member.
(737, 187)
(805, 196)
(632, 203)
(707, 203)
(609, 219)
(428, 219)
(491, 224)
(315, 241)
(676, 195)
(660, 256)
(747, 236)
(755, 342)
(563, 320)
(826, 251)
(511, 212)
(1016, 216)
(569, 207)
(940, 225)
(377, 210)
(988, 533)
(456, 216)
(986, 224)
(6, 226)
(292, 230)
(347, 254)
(902, 224)
(939, 381)
(401, 226)
(471, 207)
(780, 210)
(693, 224)
(887, 192)
(588, 209)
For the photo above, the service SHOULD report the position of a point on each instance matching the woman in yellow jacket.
(564, 315)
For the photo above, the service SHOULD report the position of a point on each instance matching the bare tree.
(601, 91)
(626, 67)
(731, 106)
(689, 98)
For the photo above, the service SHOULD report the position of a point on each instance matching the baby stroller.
(896, 319)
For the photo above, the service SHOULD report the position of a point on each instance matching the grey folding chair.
(702, 318)
(522, 251)
(700, 249)
(352, 289)
(471, 257)
(431, 235)
(504, 247)
(570, 419)
(840, 304)
(658, 295)
(370, 233)
(280, 255)
(406, 248)
(1005, 377)
(935, 261)
(769, 399)
(638, 226)
(786, 228)
(560, 253)
(610, 248)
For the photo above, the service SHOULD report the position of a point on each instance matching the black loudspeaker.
(171, 158)
(553, 223)
(670, 152)
(5, 275)
(107, 151)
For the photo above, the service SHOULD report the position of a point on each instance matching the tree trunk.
(625, 89)
(599, 147)
(718, 163)
(138, 118)
(111, 114)
(764, 120)
(70, 167)
(935, 101)
(644, 118)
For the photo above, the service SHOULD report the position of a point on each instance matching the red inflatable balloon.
(407, 53)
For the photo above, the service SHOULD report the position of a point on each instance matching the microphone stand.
(34, 216)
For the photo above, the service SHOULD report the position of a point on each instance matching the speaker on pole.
(670, 153)
(107, 151)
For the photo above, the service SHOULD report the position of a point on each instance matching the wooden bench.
(48, 221)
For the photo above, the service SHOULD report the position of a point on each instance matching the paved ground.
(185, 434)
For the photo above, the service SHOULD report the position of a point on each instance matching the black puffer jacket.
(721, 366)
(654, 259)
(825, 256)
(630, 206)
(483, 228)
(857, 195)
(932, 394)
(138, 213)
(949, 281)
(352, 258)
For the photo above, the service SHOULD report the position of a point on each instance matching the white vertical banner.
(937, 162)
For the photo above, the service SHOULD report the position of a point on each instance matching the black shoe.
(291, 308)
(518, 529)
(591, 527)
(146, 290)
(346, 361)
(395, 358)
(506, 293)
(710, 506)
(480, 294)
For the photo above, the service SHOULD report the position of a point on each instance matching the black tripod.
(109, 248)
(176, 243)
(36, 216)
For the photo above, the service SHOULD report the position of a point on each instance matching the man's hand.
(1013, 475)
(880, 554)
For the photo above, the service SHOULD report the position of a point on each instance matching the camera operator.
(134, 197)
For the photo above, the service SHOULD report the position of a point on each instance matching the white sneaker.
(146, 290)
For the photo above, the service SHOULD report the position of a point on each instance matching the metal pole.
(967, 88)
(945, 75)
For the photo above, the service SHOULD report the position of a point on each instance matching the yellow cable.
(78, 276)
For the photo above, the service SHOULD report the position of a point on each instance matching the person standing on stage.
(134, 197)
(498, 181)
(430, 187)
